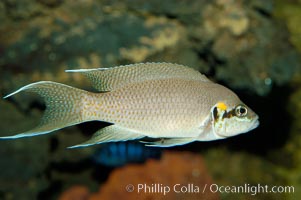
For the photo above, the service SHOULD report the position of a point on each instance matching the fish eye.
(241, 111)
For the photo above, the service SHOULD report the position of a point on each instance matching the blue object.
(117, 154)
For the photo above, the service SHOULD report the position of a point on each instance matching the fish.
(172, 103)
(117, 154)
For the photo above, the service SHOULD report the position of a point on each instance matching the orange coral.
(75, 193)
(184, 173)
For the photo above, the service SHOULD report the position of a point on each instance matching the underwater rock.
(182, 168)
(242, 39)
(89, 37)
(51, 3)
(226, 36)
(290, 12)
(292, 149)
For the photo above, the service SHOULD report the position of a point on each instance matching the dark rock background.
(252, 47)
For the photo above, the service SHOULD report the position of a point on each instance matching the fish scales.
(157, 107)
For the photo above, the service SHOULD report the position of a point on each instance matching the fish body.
(159, 108)
(170, 102)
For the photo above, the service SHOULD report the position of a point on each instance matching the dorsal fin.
(108, 79)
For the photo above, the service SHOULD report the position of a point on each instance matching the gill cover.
(230, 121)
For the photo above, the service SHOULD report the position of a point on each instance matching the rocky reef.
(252, 47)
(217, 37)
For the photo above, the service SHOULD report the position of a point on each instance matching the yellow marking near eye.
(221, 106)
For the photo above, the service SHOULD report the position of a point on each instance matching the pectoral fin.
(168, 142)
(111, 133)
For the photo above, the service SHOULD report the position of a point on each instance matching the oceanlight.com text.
(250, 189)
(246, 188)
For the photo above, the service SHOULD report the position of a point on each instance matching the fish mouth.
(255, 123)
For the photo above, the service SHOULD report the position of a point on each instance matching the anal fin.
(111, 133)
(168, 142)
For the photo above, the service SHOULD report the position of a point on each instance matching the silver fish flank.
(172, 103)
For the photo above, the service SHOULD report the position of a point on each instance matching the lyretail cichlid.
(173, 103)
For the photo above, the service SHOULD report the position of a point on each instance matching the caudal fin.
(63, 107)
